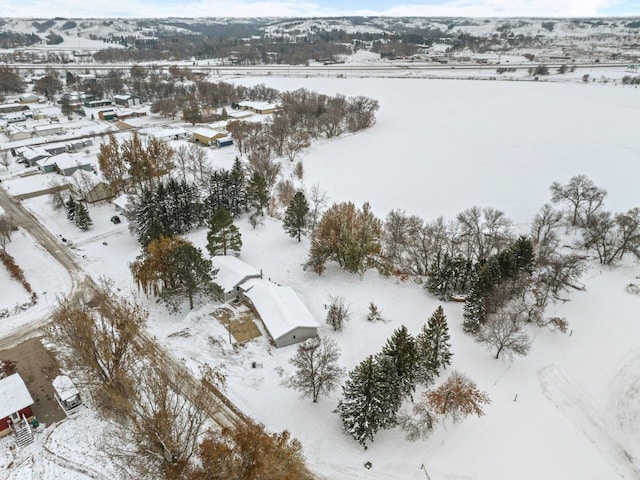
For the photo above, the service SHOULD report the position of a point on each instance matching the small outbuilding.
(66, 393)
(283, 314)
(207, 136)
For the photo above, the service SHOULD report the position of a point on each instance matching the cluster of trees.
(376, 388)
(16, 272)
(78, 213)
(610, 235)
(174, 207)
(10, 81)
(159, 412)
(505, 282)
(172, 269)
(134, 164)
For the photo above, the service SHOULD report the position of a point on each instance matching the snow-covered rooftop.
(65, 388)
(232, 271)
(206, 132)
(14, 395)
(280, 308)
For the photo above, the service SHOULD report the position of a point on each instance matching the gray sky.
(289, 8)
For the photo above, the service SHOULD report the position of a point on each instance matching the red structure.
(15, 403)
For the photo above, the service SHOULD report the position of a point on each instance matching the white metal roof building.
(283, 314)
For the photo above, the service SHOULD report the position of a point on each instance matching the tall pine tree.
(401, 349)
(370, 399)
(223, 236)
(295, 218)
(70, 208)
(258, 193)
(82, 218)
(434, 349)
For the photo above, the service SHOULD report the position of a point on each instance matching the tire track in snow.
(623, 407)
(565, 393)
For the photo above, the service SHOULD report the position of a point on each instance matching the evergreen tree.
(401, 349)
(82, 218)
(190, 274)
(237, 187)
(433, 347)
(223, 235)
(295, 218)
(70, 207)
(370, 399)
(258, 193)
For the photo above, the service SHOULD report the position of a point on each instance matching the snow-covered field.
(439, 147)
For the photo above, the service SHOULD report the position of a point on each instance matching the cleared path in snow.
(576, 404)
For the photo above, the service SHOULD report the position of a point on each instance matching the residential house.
(15, 405)
(175, 133)
(29, 98)
(99, 192)
(232, 273)
(68, 163)
(31, 155)
(48, 130)
(262, 108)
(15, 133)
(285, 317)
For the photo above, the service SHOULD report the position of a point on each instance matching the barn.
(15, 404)
(283, 314)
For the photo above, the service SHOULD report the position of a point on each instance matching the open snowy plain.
(437, 148)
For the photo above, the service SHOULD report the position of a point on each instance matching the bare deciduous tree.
(582, 196)
(162, 419)
(544, 230)
(318, 200)
(101, 341)
(504, 333)
(5, 159)
(484, 232)
(6, 229)
(337, 313)
(421, 423)
(317, 370)
(296, 143)
(457, 398)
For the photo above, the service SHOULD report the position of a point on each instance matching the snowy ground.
(438, 148)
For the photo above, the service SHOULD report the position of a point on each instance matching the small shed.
(15, 402)
(232, 273)
(283, 314)
(224, 142)
(207, 136)
(47, 130)
(66, 393)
